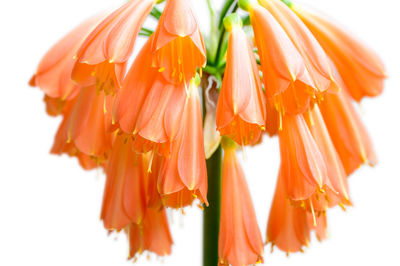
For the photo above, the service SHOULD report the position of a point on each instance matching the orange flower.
(135, 88)
(347, 131)
(61, 145)
(152, 235)
(87, 123)
(337, 189)
(361, 69)
(102, 58)
(183, 174)
(159, 117)
(288, 227)
(240, 241)
(124, 200)
(315, 59)
(303, 167)
(286, 79)
(178, 48)
(241, 104)
(53, 74)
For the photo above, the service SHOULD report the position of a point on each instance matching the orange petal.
(287, 225)
(316, 61)
(302, 164)
(153, 235)
(240, 241)
(241, 105)
(124, 199)
(53, 74)
(347, 132)
(361, 69)
(178, 48)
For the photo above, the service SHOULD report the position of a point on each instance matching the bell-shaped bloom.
(314, 57)
(178, 48)
(87, 123)
(337, 191)
(303, 167)
(152, 235)
(240, 242)
(288, 227)
(361, 69)
(183, 173)
(135, 87)
(160, 117)
(102, 57)
(53, 74)
(287, 83)
(241, 106)
(347, 131)
(61, 145)
(124, 200)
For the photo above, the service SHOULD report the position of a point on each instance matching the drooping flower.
(303, 167)
(178, 48)
(287, 83)
(152, 235)
(159, 118)
(53, 74)
(124, 200)
(361, 69)
(288, 227)
(88, 122)
(241, 106)
(102, 57)
(314, 57)
(135, 87)
(240, 241)
(347, 131)
(337, 191)
(61, 145)
(183, 174)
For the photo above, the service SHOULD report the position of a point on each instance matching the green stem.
(212, 213)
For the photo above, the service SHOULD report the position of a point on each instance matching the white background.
(49, 207)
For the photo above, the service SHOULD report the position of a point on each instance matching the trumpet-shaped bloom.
(124, 200)
(337, 191)
(303, 167)
(178, 48)
(183, 174)
(361, 69)
(241, 106)
(240, 241)
(61, 145)
(347, 131)
(135, 88)
(314, 57)
(102, 57)
(287, 83)
(159, 119)
(288, 227)
(53, 74)
(152, 235)
(87, 123)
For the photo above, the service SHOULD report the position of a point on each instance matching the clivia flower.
(241, 106)
(102, 57)
(348, 134)
(145, 128)
(240, 241)
(178, 48)
(362, 71)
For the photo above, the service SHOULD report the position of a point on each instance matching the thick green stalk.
(212, 213)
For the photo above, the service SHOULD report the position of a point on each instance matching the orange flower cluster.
(143, 125)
